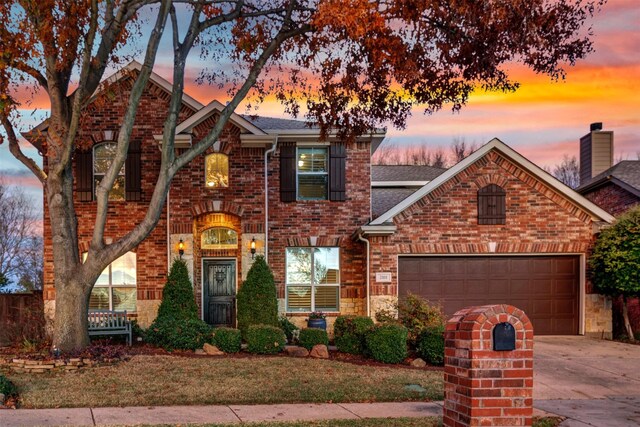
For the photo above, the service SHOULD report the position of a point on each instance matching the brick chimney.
(596, 152)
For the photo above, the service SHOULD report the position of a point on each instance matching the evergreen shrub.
(350, 332)
(265, 339)
(313, 336)
(257, 298)
(387, 343)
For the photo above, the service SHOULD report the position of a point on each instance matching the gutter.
(362, 239)
(266, 197)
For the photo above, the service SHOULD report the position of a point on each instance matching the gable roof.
(494, 144)
(626, 174)
(273, 123)
(408, 173)
(206, 112)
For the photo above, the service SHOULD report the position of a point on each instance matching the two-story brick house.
(494, 226)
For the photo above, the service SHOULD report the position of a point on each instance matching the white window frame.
(101, 175)
(110, 286)
(298, 173)
(311, 285)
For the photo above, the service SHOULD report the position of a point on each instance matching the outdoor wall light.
(181, 248)
(253, 248)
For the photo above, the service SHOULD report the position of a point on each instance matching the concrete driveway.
(590, 382)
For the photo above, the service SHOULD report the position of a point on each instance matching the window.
(217, 170)
(312, 173)
(103, 155)
(491, 205)
(313, 279)
(219, 238)
(115, 289)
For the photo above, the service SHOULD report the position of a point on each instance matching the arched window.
(115, 289)
(219, 238)
(103, 155)
(216, 167)
(491, 205)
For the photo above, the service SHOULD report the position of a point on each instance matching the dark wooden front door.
(219, 292)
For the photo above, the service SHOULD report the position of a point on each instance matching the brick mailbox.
(488, 367)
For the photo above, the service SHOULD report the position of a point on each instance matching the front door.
(219, 292)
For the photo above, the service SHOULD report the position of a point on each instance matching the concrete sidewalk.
(232, 414)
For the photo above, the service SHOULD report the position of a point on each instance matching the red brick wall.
(613, 198)
(538, 220)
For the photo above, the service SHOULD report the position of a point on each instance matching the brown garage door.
(545, 287)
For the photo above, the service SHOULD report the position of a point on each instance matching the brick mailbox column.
(484, 386)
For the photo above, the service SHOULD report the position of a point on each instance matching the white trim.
(377, 230)
(398, 183)
(202, 260)
(205, 112)
(500, 146)
(582, 273)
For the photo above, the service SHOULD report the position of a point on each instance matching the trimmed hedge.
(178, 300)
(265, 339)
(228, 340)
(183, 334)
(387, 343)
(350, 333)
(7, 388)
(431, 345)
(288, 328)
(313, 336)
(257, 298)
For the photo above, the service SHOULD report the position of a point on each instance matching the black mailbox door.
(504, 337)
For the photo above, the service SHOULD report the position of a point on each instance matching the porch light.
(253, 248)
(181, 248)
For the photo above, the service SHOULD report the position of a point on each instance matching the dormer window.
(103, 155)
(491, 205)
(216, 170)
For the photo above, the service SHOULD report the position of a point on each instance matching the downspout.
(168, 234)
(266, 198)
(362, 239)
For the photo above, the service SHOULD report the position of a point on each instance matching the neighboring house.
(341, 236)
(615, 188)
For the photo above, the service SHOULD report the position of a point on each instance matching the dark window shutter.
(84, 175)
(288, 173)
(491, 205)
(337, 172)
(133, 172)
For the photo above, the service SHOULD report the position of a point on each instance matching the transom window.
(217, 170)
(312, 173)
(103, 155)
(219, 238)
(313, 279)
(115, 289)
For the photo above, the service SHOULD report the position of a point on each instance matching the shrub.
(288, 328)
(350, 332)
(257, 298)
(179, 334)
(313, 336)
(431, 345)
(417, 314)
(387, 343)
(265, 339)
(7, 387)
(228, 340)
(178, 326)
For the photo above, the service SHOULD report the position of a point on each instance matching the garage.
(545, 287)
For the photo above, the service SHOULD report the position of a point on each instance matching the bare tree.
(17, 228)
(568, 171)
(32, 260)
(460, 149)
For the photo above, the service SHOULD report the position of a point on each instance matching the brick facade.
(612, 198)
(538, 221)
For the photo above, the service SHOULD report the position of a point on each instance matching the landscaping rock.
(319, 351)
(296, 351)
(2, 399)
(200, 351)
(212, 350)
(418, 363)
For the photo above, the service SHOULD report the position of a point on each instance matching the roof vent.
(596, 126)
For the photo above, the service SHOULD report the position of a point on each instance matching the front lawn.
(170, 380)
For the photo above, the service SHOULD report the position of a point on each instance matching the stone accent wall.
(147, 310)
(612, 198)
(598, 317)
(484, 387)
(187, 257)
(538, 220)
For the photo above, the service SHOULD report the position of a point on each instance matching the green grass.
(170, 380)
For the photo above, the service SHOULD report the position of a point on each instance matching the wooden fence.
(21, 316)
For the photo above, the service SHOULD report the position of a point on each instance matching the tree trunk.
(625, 316)
(70, 324)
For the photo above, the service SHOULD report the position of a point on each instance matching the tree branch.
(14, 148)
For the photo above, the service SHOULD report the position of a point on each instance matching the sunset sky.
(543, 120)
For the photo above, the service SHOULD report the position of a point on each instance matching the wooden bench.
(106, 322)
